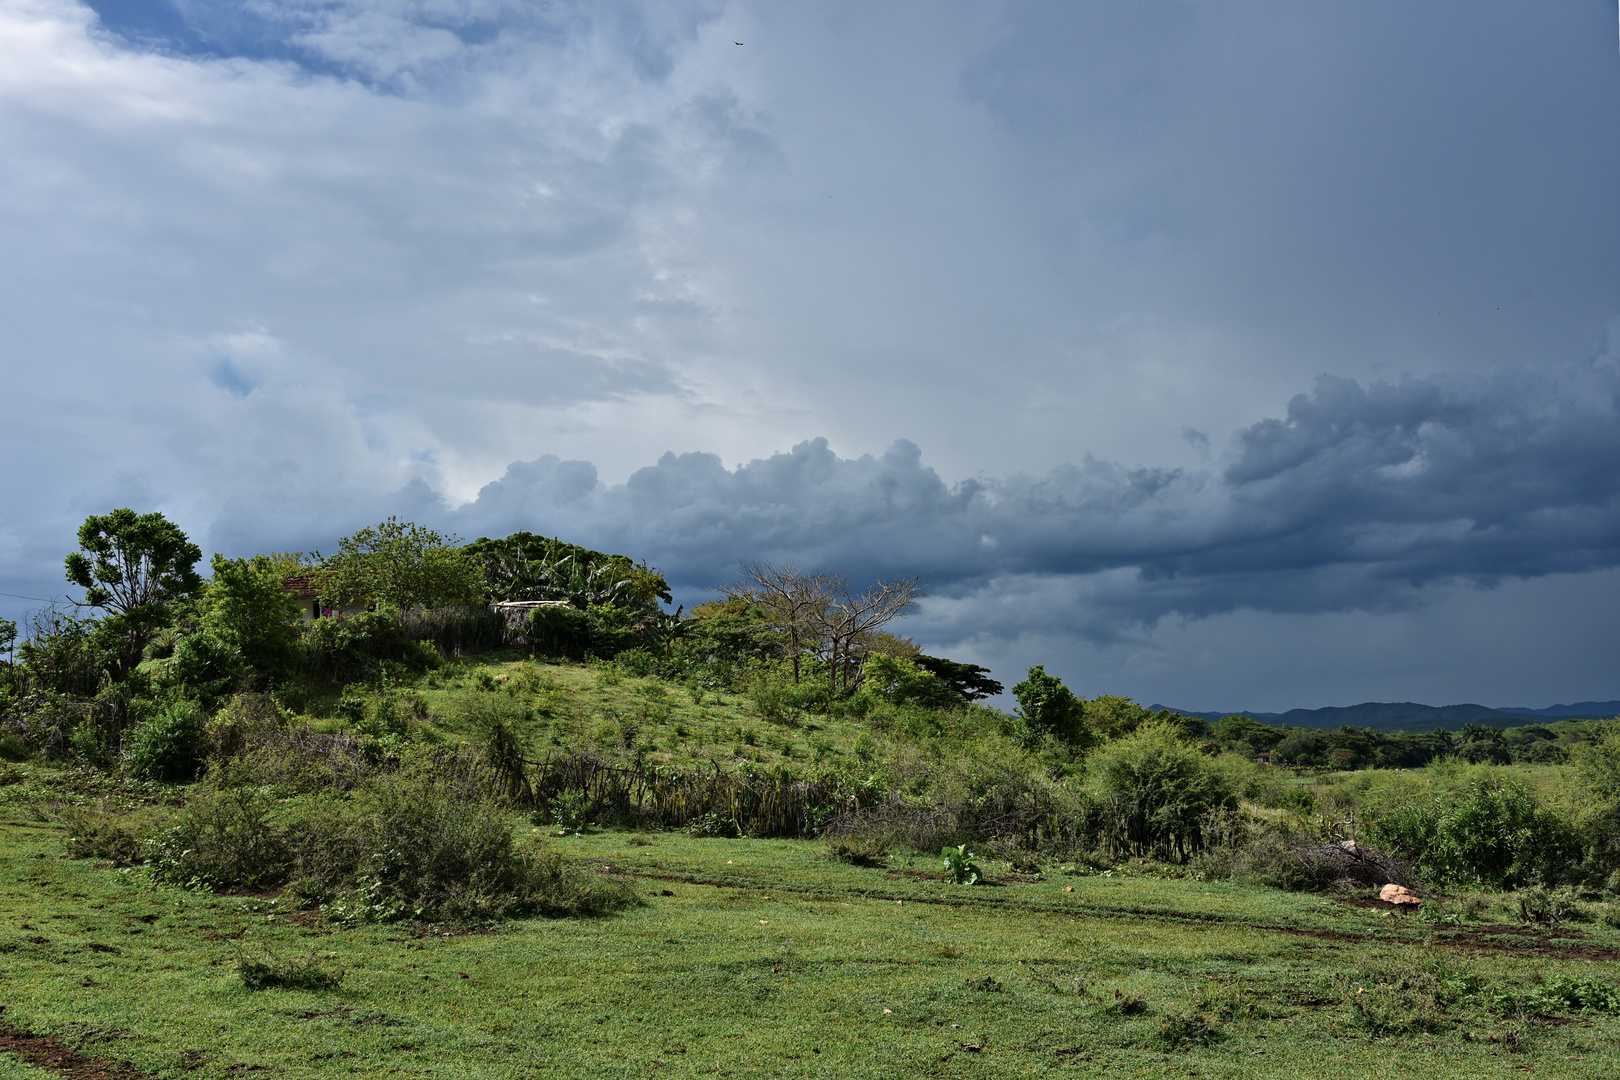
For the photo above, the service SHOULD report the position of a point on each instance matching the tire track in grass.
(1467, 940)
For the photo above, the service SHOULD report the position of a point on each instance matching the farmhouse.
(308, 592)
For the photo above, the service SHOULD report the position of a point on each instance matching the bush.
(206, 665)
(637, 662)
(224, 839)
(438, 852)
(328, 847)
(13, 748)
(1157, 792)
(95, 833)
(568, 811)
(439, 848)
(355, 648)
(265, 971)
(166, 746)
(556, 889)
(714, 826)
(1564, 992)
(1495, 835)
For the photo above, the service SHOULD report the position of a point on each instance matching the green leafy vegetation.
(610, 790)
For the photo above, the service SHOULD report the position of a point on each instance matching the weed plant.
(270, 971)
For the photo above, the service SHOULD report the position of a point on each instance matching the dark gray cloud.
(1358, 499)
(280, 267)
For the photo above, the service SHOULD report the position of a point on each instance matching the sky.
(1226, 355)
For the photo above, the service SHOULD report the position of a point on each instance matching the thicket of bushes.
(428, 839)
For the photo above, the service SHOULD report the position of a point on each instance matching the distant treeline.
(1355, 747)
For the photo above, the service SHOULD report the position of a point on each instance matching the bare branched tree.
(795, 601)
(849, 619)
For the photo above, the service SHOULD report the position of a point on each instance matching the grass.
(765, 958)
(575, 706)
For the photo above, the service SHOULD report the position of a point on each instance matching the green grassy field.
(575, 706)
(762, 958)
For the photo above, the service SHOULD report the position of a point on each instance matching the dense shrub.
(558, 632)
(1157, 792)
(206, 665)
(440, 848)
(64, 655)
(166, 746)
(97, 833)
(224, 839)
(637, 662)
(355, 648)
(1495, 835)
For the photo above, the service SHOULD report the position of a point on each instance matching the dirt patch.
(1375, 904)
(446, 930)
(1552, 949)
(52, 1054)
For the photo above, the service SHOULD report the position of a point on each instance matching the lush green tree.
(524, 566)
(8, 636)
(248, 606)
(128, 562)
(402, 565)
(732, 630)
(902, 682)
(1298, 747)
(1599, 764)
(1230, 731)
(133, 566)
(970, 682)
(1046, 706)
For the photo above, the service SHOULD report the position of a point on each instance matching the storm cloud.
(1357, 499)
(1015, 297)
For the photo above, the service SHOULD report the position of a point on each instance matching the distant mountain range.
(1410, 716)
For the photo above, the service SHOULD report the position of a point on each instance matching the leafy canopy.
(971, 681)
(402, 565)
(128, 563)
(248, 606)
(524, 566)
(1046, 706)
